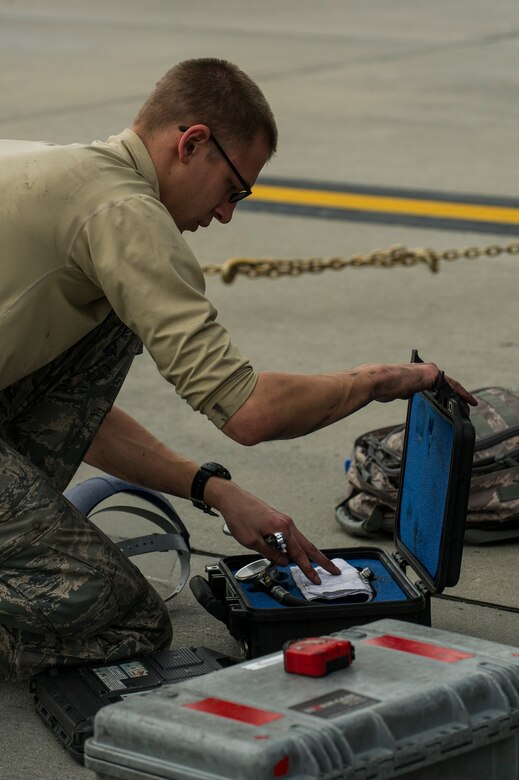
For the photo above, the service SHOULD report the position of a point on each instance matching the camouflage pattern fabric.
(67, 593)
(374, 473)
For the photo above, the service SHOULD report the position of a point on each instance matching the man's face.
(196, 189)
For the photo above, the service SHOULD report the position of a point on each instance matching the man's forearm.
(123, 448)
(284, 406)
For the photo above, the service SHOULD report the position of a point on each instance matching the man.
(94, 264)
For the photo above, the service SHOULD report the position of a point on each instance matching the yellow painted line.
(388, 204)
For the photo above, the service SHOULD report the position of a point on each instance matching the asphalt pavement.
(407, 95)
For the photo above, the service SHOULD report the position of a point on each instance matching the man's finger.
(273, 555)
(297, 554)
(316, 555)
(308, 552)
(460, 390)
(306, 567)
(322, 560)
(302, 552)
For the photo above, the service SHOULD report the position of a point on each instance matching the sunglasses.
(241, 194)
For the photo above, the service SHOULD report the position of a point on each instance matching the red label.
(436, 652)
(282, 767)
(234, 711)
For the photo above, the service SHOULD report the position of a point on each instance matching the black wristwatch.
(205, 472)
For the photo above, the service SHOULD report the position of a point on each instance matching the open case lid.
(434, 485)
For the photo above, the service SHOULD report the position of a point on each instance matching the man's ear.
(191, 140)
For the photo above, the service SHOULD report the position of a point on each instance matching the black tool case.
(429, 530)
(68, 699)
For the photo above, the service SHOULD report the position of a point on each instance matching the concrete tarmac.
(407, 94)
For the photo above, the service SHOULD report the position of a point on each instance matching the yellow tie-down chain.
(381, 258)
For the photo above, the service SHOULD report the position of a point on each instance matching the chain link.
(394, 256)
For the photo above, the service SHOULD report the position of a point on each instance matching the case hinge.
(422, 587)
(400, 561)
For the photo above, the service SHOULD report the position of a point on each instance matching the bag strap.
(88, 494)
(357, 526)
(485, 536)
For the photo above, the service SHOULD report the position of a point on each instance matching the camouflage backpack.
(493, 512)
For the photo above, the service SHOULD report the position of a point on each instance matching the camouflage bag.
(373, 474)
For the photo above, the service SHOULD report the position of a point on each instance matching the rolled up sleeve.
(133, 251)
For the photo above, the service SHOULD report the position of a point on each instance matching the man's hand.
(390, 382)
(249, 520)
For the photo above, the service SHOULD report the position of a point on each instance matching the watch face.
(252, 570)
(217, 469)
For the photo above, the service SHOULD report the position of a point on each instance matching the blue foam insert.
(425, 483)
(386, 587)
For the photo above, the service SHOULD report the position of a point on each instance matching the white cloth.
(333, 586)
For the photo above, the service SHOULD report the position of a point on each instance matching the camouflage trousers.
(67, 593)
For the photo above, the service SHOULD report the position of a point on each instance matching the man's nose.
(224, 211)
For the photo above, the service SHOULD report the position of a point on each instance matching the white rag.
(333, 586)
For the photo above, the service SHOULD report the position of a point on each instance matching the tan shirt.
(82, 231)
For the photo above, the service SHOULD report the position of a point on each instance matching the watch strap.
(204, 473)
